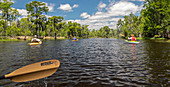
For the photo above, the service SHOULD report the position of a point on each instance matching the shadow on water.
(91, 62)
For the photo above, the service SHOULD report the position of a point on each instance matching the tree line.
(153, 22)
(36, 22)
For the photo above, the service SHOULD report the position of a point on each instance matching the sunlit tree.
(36, 9)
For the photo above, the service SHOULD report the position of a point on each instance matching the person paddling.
(74, 38)
(35, 39)
(133, 38)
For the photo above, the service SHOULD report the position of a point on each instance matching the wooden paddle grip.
(2, 77)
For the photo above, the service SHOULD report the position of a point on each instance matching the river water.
(91, 62)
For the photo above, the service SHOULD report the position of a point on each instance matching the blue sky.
(95, 13)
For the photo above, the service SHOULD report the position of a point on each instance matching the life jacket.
(133, 39)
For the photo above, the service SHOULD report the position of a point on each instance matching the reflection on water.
(158, 63)
(91, 62)
(134, 51)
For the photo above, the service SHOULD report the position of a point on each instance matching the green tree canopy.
(36, 9)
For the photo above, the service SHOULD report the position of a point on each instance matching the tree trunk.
(55, 36)
(25, 37)
(168, 36)
(39, 30)
(36, 29)
(5, 28)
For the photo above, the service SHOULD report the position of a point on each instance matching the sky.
(95, 13)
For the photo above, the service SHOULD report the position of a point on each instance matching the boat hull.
(35, 43)
(132, 42)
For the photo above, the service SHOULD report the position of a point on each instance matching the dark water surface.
(91, 63)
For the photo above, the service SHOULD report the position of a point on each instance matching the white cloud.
(50, 6)
(114, 12)
(23, 12)
(75, 6)
(65, 7)
(8, 0)
(101, 5)
(138, 0)
(13, 1)
(84, 15)
(121, 8)
(99, 13)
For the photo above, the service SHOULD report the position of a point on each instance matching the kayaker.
(133, 38)
(35, 39)
(74, 38)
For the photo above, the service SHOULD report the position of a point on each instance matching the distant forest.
(154, 21)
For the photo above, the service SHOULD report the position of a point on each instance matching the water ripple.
(91, 62)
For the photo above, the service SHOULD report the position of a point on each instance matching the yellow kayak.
(75, 40)
(35, 43)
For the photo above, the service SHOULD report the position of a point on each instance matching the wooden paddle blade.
(48, 67)
(33, 76)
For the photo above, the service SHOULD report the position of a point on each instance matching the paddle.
(122, 35)
(73, 38)
(33, 71)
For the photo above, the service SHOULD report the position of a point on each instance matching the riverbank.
(154, 39)
(9, 40)
(28, 38)
(149, 38)
(52, 38)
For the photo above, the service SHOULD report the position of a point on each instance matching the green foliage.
(2, 23)
(13, 31)
(13, 14)
(130, 25)
(55, 23)
(25, 27)
(153, 22)
(36, 9)
(156, 18)
(156, 36)
(9, 39)
(5, 7)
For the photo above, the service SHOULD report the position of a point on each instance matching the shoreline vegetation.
(153, 24)
(28, 38)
